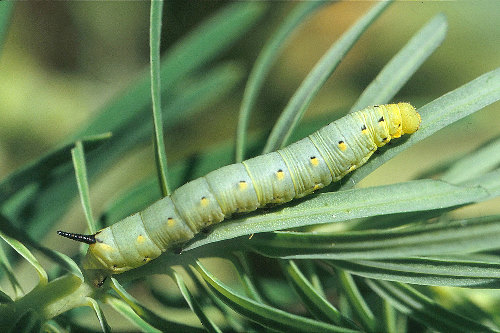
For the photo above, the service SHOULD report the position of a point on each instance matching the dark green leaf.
(141, 316)
(461, 271)
(154, 41)
(264, 314)
(194, 305)
(409, 301)
(462, 236)
(317, 305)
(83, 184)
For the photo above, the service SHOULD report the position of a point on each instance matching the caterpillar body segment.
(278, 177)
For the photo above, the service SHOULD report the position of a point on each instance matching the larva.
(299, 169)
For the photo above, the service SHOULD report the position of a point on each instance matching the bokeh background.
(63, 61)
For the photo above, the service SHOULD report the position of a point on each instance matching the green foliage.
(349, 260)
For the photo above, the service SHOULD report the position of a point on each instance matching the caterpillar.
(297, 170)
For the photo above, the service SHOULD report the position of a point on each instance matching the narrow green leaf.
(316, 78)
(159, 145)
(126, 311)
(5, 16)
(100, 315)
(463, 302)
(199, 47)
(51, 326)
(83, 184)
(311, 274)
(423, 309)
(23, 251)
(390, 318)
(141, 316)
(64, 261)
(267, 56)
(453, 237)
(419, 195)
(233, 319)
(29, 322)
(167, 297)
(4, 298)
(404, 64)
(21, 235)
(194, 305)
(240, 261)
(436, 115)
(461, 271)
(316, 304)
(7, 268)
(37, 171)
(43, 196)
(131, 301)
(357, 301)
(468, 167)
(264, 314)
(489, 181)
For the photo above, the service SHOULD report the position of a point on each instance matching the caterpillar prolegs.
(299, 169)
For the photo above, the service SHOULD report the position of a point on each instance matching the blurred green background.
(63, 61)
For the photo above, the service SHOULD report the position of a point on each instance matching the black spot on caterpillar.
(275, 178)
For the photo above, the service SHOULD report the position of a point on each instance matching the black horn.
(89, 239)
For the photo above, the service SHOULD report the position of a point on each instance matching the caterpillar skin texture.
(278, 177)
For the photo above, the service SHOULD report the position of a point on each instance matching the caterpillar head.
(410, 118)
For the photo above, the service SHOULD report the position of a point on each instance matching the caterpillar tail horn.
(88, 239)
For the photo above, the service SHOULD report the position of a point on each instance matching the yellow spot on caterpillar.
(170, 222)
(316, 187)
(242, 185)
(353, 167)
(146, 259)
(342, 145)
(140, 239)
(280, 174)
(364, 130)
(204, 202)
(314, 161)
(103, 247)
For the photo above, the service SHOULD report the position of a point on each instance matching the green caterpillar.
(278, 177)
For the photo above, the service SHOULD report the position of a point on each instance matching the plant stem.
(48, 301)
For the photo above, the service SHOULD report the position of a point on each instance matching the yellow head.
(410, 118)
